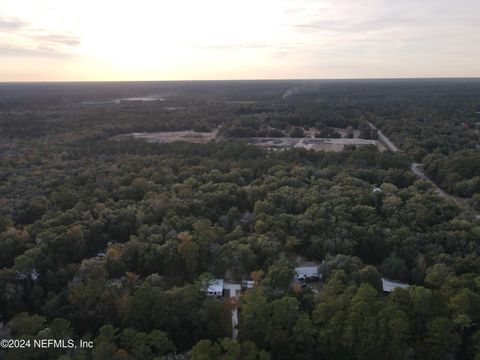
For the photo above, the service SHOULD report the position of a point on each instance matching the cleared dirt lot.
(343, 132)
(170, 136)
(317, 144)
(309, 143)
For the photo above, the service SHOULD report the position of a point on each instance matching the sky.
(62, 40)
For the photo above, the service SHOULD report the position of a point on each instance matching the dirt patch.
(343, 132)
(240, 102)
(170, 136)
(309, 143)
(316, 144)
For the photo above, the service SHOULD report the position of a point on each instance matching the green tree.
(26, 324)
(441, 339)
(437, 274)
(280, 275)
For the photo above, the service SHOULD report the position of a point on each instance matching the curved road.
(417, 169)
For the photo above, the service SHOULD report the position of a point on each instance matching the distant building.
(248, 284)
(307, 273)
(32, 275)
(215, 288)
(389, 285)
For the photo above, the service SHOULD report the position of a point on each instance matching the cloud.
(9, 23)
(21, 38)
(377, 27)
(233, 46)
(352, 25)
(13, 51)
(59, 39)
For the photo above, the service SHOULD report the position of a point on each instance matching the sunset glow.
(218, 39)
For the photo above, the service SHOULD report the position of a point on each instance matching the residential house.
(215, 288)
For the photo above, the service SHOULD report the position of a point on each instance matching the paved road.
(384, 138)
(417, 169)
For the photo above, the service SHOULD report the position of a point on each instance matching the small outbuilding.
(248, 284)
(389, 285)
(307, 273)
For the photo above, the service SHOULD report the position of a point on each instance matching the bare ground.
(170, 136)
(309, 143)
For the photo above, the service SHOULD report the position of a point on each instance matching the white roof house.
(389, 285)
(307, 272)
(215, 288)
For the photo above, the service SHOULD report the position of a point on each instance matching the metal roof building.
(307, 272)
(389, 285)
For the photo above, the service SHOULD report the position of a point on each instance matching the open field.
(170, 136)
(309, 143)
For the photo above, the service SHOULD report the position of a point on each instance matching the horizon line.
(246, 80)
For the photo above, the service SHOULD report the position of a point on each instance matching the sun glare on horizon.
(214, 39)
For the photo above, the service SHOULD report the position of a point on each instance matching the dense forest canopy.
(116, 241)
